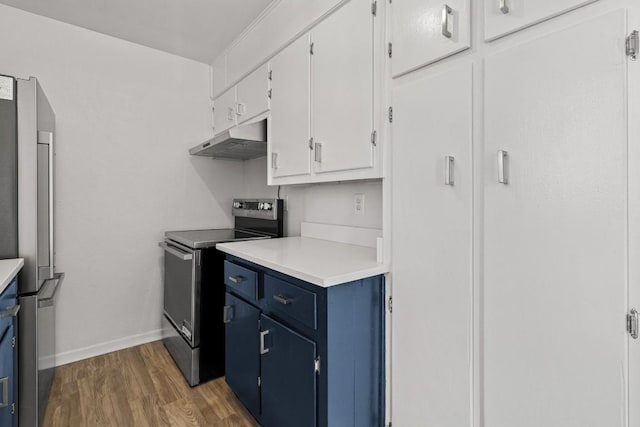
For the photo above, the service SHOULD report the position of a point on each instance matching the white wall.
(330, 203)
(126, 115)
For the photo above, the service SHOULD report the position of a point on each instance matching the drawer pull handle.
(448, 170)
(282, 299)
(10, 312)
(446, 13)
(4, 383)
(263, 349)
(236, 279)
(227, 314)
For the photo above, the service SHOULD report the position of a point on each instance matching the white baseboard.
(107, 347)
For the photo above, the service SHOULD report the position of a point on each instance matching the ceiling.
(195, 29)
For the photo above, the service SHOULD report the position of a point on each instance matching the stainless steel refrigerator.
(27, 142)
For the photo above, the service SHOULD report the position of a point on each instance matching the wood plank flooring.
(139, 386)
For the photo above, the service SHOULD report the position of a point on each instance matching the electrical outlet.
(358, 204)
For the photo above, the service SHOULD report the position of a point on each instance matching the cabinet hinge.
(316, 365)
(390, 302)
(311, 143)
(374, 8)
(374, 138)
(390, 49)
(270, 74)
(390, 114)
(311, 48)
(269, 92)
(13, 342)
(632, 323)
(633, 45)
(259, 382)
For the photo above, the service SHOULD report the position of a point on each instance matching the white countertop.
(321, 262)
(8, 270)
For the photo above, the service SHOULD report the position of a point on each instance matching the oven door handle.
(184, 256)
(57, 280)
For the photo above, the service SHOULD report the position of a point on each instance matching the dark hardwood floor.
(139, 386)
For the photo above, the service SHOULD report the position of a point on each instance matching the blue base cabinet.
(8, 356)
(302, 355)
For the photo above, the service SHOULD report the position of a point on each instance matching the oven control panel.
(258, 208)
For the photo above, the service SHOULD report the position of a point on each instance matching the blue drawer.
(290, 300)
(241, 280)
(7, 378)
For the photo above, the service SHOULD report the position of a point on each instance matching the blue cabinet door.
(242, 360)
(288, 376)
(7, 378)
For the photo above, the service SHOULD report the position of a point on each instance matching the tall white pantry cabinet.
(515, 218)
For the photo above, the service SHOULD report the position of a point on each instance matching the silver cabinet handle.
(274, 160)
(10, 312)
(504, 8)
(446, 13)
(230, 114)
(4, 383)
(503, 167)
(317, 147)
(236, 279)
(184, 256)
(241, 109)
(448, 170)
(282, 299)
(227, 314)
(49, 289)
(263, 349)
(632, 323)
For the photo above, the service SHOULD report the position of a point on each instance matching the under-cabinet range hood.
(244, 142)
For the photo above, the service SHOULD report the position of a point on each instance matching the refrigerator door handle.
(57, 280)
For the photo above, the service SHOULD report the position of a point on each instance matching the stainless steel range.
(194, 286)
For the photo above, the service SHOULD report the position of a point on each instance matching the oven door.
(182, 274)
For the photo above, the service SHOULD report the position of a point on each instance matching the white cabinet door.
(555, 234)
(289, 124)
(506, 16)
(253, 94)
(224, 113)
(432, 337)
(424, 31)
(342, 89)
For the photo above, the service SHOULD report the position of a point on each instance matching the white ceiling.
(195, 29)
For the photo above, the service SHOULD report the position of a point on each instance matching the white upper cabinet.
(289, 119)
(342, 88)
(253, 94)
(425, 31)
(506, 16)
(224, 113)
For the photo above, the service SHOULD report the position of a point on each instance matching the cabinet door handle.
(504, 8)
(230, 114)
(274, 160)
(282, 299)
(263, 349)
(227, 314)
(241, 109)
(4, 383)
(446, 13)
(448, 170)
(236, 279)
(318, 152)
(503, 167)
